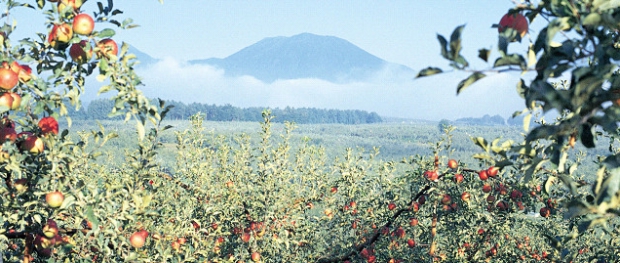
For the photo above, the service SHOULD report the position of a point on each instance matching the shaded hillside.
(304, 56)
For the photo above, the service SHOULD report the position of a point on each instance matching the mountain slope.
(145, 59)
(303, 56)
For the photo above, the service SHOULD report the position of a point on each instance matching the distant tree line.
(100, 108)
(484, 120)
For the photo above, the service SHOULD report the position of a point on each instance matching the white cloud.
(387, 93)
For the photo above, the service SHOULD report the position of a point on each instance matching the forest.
(99, 109)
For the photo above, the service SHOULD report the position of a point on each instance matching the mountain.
(145, 59)
(304, 56)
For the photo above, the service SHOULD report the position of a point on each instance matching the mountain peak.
(304, 55)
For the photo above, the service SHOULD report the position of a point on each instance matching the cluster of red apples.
(81, 51)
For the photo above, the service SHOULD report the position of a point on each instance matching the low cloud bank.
(389, 92)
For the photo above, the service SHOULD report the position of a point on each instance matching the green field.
(394, 141)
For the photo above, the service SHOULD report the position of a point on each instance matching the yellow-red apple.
(8, 78)
(59, 36)
(107, 48)
(83, 24)
(54, 199)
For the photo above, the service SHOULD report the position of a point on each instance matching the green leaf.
(607, 195)
(484, 54)
(104, 89)
(555, 26)
(106, 33)
(511, 60)
(526, 122)
(428, 72)
(568, 181)
(531, 57)
(576, 208)
(586, 224)
(140, 129)
(548, 184)
(90, 215)
(521, 88)
(468, 81)
(455, 41)
(444, 47)
(592, 19)
(587, 135)
(481, 142)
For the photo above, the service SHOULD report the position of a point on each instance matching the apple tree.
(46, 196)
(573, 63)
(240, 198)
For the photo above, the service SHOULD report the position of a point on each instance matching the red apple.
(41, 242)
(503, 205)
(501, 188)
(453, 164)
(175, 245)
(391, 206)
(60, 35)
(446, 199)
(75, 4)
(465, 196)
(364, 253)
(20, 185)
(14, 66)
(50, 229)
(334, 190)
(483, 175)
(545, 211)
(138, 239)
(83, 24)
(54, 199)
(422, 199)
(31, 143)
(255, 256)
(514, 21)
(399, 232)
(8, 78)
(431, 175)
(492, 171)
(458, 178)
(491, 199)
(413, 222)
(486, 188)
(6, 100)
(411, 243)
(229, 184)
(48, 125)
(107, 48)
(245, 237)
(17, 100)
(25, 73)
(81, 52)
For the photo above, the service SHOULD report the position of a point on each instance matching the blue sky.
(397, 31)
(402, 32)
